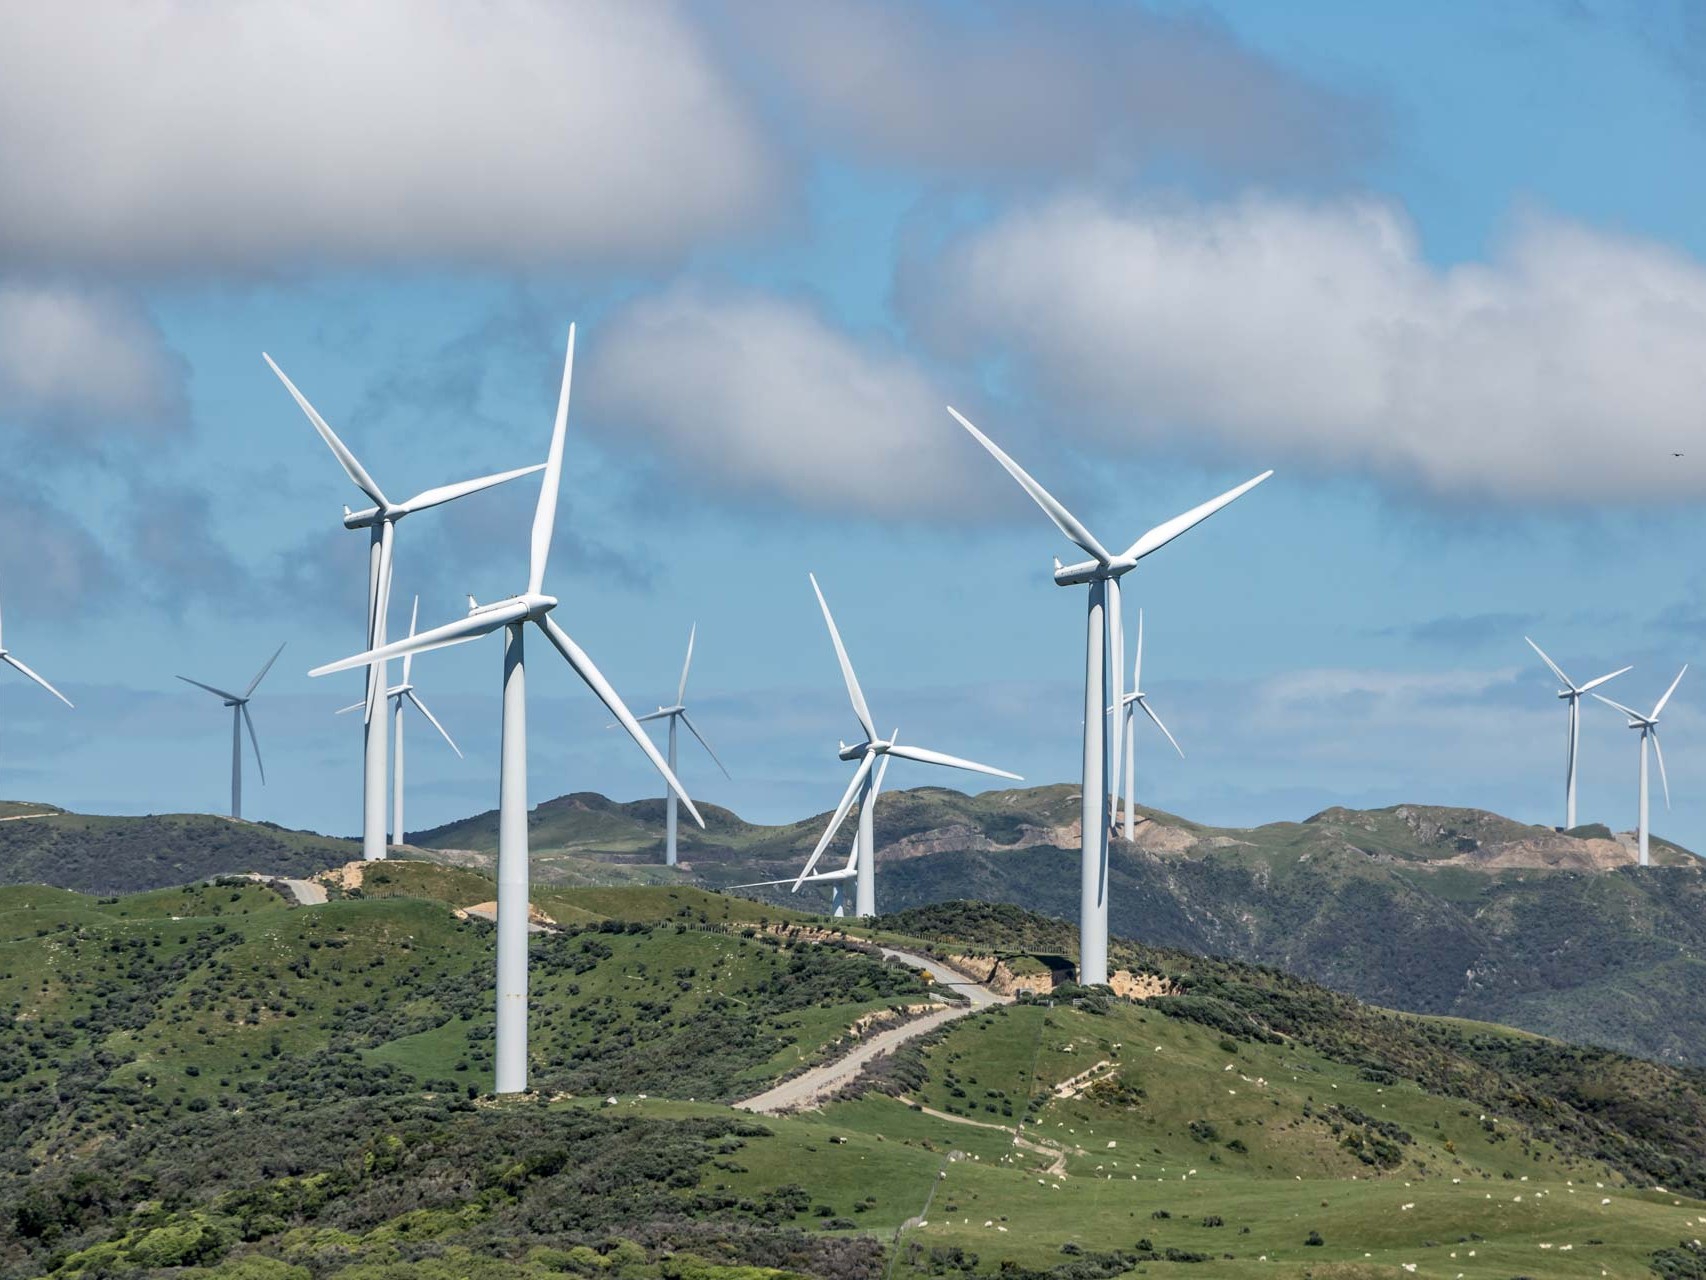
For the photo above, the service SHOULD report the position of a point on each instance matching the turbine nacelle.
(859, 750)
(538, 605)
(370, 517)
(1076, 575)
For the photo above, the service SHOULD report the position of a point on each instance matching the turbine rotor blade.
(1612, 675)
(1137, 664)
(953, 762)
(839, 817)
(650, 715)
(475, 625)
(1630, 712)
(352, 467)
(1149, 711)
(255, 683)
(761, 884)
(218, 693)
(854, 693)
(594, 679)
(23, 670)
(693, 729)
(545, 514)
(882, 772)
(354, 706)
(462, 488)
(381, 620)
(253, 740)
(1064, 520)
(1668, 692)
(1162, 534)
(1115, 615)
(681, 689)
(1660, 757)
(433, 721)
(414, 626)
(1557, 671)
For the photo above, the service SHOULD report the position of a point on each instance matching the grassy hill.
(120, 855)
(210, 1084)
(1436, 910)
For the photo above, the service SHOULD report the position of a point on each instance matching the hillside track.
(814, 1086)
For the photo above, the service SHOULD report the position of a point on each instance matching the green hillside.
(1437, 910)
(208, 1082)
(119, 855)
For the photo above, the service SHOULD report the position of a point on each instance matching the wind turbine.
(11, 660)
(836, 879)
(675, 713)
(397, 695)
(1572, 693)
(512, 616)
(865, 784)
(239, 704)
(1132, 701)
(1104, 649)
(380, 521)
(1649, 727)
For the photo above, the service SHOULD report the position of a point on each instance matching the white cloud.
(75, 362)
(1009, 88)
(764, 397)
(1569, 366)
(165, 134)
(50, 564)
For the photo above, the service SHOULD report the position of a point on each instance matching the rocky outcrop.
(1140, 986)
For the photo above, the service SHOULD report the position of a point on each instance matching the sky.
(1439, 266)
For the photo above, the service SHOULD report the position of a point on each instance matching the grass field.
(1252, 1126)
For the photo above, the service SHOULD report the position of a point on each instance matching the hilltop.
(1431, 909)
(41, 844)
(212, 1084)
(1420, 907)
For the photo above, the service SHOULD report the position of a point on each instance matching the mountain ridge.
(1427, 908)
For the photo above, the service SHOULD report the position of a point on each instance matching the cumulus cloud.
(1567, 367)
(50, 564)
(76, 362)
(169, 134)
(1021, 90)
(760, 395)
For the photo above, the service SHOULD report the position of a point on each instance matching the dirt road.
(819, 1083)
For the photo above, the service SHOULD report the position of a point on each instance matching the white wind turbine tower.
(1104, 650)
(380, 521)
(11, 660)
(675, 713)
(1572, 693)
(239, 704)
(865, 783)
(512, 616)
(397, 695)
(1649, 727)
(1128, 732)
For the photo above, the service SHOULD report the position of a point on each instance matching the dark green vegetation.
(1446, 911)
(1434, 910)
(206, 1082)
(122, 855)
(230, 1063)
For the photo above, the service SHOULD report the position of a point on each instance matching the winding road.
(812, 1087)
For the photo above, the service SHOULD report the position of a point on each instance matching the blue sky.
(1440, 267)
